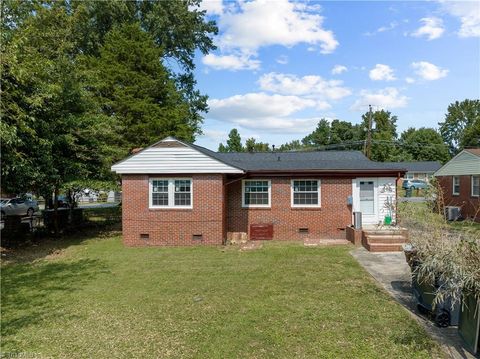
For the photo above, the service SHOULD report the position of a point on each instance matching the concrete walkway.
(393, 273)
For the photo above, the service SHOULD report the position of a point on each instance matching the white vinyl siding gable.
(463, 164)
(182, 159)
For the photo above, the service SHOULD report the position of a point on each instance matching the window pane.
(160, 186)
(160, 199)
(256, 198)
(182, 185)
(367, 197)
(182, 199)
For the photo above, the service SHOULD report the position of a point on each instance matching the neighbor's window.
(409, 175)
(456, 185)
(256, 193)
(305, 193)
(475, 186)
(170, 193)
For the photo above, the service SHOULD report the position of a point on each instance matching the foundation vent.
(144, 236)
(197, 237)
(303, 230)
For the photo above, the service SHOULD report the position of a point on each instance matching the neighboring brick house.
(174, 193)
(460, 182)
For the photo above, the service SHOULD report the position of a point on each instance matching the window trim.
(269, 205)
(471, 186)
(171, 192)
(319, 191)
(453, 186)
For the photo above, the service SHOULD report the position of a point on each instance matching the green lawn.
(98, 299)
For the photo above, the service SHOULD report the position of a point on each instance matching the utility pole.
(368, 143)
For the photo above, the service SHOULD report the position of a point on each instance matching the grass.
(95, 298)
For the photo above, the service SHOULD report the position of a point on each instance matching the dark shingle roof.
(300, 161)
(419, 166)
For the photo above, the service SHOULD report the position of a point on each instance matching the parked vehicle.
(18, 206)
(414, 184)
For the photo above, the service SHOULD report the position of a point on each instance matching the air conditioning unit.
(452, 213)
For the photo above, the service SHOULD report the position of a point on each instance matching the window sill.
(170, 209)
(256, 208)
(316, 208)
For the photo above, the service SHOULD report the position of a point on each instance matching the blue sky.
(281, 66)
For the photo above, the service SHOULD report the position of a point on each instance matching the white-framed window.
(475, 186)
(170, 193)
(422, 176)
(456, 185)
(408, 175)
(305, 193)
(256, 193)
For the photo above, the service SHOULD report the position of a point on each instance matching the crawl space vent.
(303, 230)
(144, 236)
(197, 237)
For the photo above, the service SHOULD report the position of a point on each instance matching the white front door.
(365, 199)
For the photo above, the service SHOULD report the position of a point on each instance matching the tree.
(66, 114)
(131, 85)
(294, 145)
(461, 126)
(320, 136)
(384, 135)
(251, 145)
(424, 144)
(234, 143)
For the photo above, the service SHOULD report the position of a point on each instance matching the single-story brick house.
(459, 179)
(176, 193)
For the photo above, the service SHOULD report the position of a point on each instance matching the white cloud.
(387, 98)
(432, 28)
(282, 60)
(338, 69)
(261, 111)
(254, 24)
(247, 26)
(215, 135)
(310, 86)
(389, 27)
(428, 71)
(255, 105)
(231, 62)
(212, 7)
(280, 125)
(469, 14)
(382, 73)
(409, 80)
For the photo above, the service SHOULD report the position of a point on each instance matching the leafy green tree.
(234, 143)
(320, 136)
(251, 145)
(131, 85)
(383, 135)
(424, 144)
(461, 127)
(292, 146)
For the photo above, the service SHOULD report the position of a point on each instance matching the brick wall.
(323, 222)
(173, 226)
(470, 205)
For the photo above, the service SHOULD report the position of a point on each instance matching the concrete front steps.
(384, 240)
